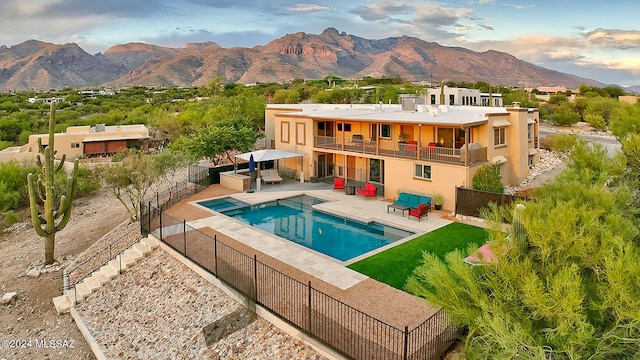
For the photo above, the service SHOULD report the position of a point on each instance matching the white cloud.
(613, 38)
(308, 7)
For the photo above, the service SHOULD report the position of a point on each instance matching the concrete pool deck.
(329, 275)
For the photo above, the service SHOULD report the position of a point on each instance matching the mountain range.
(38, 65)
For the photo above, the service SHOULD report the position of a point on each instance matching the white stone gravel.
(547, 161)
(159, 309)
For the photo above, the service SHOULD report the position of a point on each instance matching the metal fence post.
(215, 254)
(161, 238)
(184, 235)
(309, 308)
(406, 343)
(255, 277)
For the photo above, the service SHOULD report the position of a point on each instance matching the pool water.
(223, 204)
(294, 219)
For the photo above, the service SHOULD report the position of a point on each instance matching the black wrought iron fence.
(344, 328)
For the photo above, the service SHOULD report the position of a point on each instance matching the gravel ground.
(170, 312)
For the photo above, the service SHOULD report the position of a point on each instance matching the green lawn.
(394, 266)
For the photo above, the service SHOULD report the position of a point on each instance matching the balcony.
(405, 151)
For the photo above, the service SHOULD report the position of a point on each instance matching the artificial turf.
(395, 265)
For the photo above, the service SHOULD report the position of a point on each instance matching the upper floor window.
(347, 127)
(75, 145)
(500, 136)
(385, 131)
(530, 132)
(422, 171)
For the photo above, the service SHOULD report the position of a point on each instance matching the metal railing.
(80, 270)
(344, 328)
(197, 180)
(406, 151)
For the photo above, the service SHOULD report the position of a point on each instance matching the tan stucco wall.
(17, 153)
(77, 134)
(398, 173)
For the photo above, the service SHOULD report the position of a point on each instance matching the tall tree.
(56, 206)
(218, 141)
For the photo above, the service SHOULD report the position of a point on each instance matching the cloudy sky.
(594, 39)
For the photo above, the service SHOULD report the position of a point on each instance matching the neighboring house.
(462, 96)
(441, 147)
(44, 100)
(83, 141)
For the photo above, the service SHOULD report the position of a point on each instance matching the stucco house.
(83, 141)
(424, 149)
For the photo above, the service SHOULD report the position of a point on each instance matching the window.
(500, 136)
(530, 132)
(301, 133)
(75, 145)
(376, 170)
(452, 99)
(423, 171)
(347, 127)
(284, 132)
(385, 131)
(531, 159)
(433, 99)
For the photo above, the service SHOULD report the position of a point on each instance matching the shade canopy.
(268, 154)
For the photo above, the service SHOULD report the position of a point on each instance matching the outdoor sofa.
(270, 176)
(410, 202)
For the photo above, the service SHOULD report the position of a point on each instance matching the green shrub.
(13, 184)
(88, 181)
(10, 218)
(565, 118)
(488, 179)
(561, 142)
(596, 120)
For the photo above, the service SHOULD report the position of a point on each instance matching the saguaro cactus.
(55, 210)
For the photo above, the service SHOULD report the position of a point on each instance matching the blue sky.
(594, 39)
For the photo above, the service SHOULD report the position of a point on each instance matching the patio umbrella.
(268, 154)
(252, 165)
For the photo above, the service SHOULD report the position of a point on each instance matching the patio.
(331, 276)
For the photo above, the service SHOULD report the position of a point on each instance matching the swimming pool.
(294, 219)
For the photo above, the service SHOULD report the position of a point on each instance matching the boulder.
(9, 298)
(33, 273)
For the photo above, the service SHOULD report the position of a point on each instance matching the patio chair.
(368, 191)
(338, 184)
(420, 212)
(412, 145)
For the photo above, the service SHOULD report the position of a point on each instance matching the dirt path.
(33, 315)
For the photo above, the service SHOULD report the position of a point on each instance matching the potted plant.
(402, 138)
(437, 201)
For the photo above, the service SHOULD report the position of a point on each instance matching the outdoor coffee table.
(399, 207)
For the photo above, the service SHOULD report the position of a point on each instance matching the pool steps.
(106, 273)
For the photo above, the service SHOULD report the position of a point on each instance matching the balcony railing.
(405, 151)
